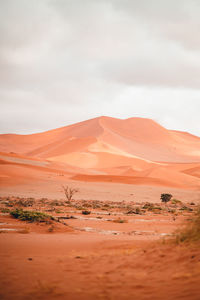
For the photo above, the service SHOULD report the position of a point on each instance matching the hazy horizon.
(50, 129)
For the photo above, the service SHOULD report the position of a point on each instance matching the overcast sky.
(64, 61)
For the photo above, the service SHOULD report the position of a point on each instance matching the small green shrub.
(5, 210)
(31, 216)
(148, 206)
(86, 212)
(185, 208)
(176, 201)
(58, 211)
(157, 209)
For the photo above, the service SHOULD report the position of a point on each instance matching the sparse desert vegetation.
(44, 205)
(72, 234)
(31, 216)
(190, 232)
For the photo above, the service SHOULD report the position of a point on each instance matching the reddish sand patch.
(60, 266)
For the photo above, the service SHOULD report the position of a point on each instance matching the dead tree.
(69, 192)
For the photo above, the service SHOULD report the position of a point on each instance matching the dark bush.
(86, 212)
(165, 197)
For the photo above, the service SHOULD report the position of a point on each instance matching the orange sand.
(133, 151)
(68, 264)
(107, 159)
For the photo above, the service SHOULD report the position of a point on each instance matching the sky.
(65, 61)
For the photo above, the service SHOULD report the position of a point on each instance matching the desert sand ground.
(114, 239)
(114, 252)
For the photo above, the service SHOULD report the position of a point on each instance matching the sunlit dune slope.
(133, 147)
(134, 137)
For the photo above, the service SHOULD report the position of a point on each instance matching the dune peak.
(135, 137)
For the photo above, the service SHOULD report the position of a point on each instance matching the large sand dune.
(102, 243)
(134, 150)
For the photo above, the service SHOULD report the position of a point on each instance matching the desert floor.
(114, 244)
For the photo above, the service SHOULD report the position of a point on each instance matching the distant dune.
(134, 150)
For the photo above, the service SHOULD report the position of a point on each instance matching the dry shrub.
(176, 201)
(25, 202)
(191, 231)
(69, 192)
(56, 203)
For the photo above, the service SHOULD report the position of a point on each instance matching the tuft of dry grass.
(191, 231)
(176, 201)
